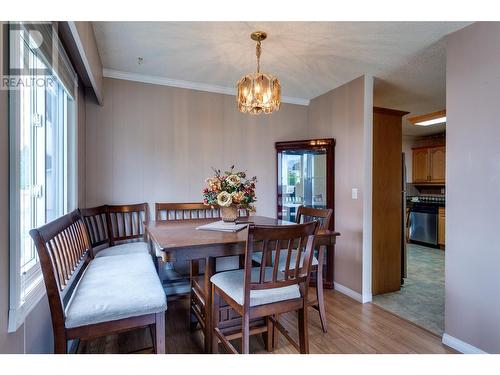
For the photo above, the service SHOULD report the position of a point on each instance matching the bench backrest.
(96, 220)
(64, 250)
(126, 222)
(110, 225)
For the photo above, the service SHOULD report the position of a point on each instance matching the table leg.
(209, 272)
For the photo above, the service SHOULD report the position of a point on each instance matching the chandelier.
(258, 92)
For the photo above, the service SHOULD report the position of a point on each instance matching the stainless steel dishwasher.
(424, 223)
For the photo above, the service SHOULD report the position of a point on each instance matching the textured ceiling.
(407, 59)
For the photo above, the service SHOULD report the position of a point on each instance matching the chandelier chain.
(258, 51)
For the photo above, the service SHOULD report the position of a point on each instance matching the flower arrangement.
(230, 189)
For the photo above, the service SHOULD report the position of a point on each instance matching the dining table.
(180, 240)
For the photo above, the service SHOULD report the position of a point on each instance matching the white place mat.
(221, 226)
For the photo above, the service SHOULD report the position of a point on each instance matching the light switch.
(354, 193)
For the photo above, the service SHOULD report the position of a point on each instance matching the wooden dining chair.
(265, 291)
(198, 290)
(183, 211)
(325, 217)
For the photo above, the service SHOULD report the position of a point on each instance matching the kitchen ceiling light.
(433, 118)
(438, 120)
(258, 92)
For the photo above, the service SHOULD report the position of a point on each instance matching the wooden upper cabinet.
(437, 160)
(429, 164)
(421, 165)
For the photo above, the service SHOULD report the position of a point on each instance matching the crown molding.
(157, 80)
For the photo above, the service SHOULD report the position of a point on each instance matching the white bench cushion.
(231, 282)
(257, 257)
(116, 287)
(124, 249)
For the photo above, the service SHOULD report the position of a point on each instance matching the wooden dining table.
(177, 241)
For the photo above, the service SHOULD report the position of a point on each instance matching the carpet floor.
(421, 298)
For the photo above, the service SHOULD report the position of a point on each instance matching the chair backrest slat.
(277, 250)
(299, 240)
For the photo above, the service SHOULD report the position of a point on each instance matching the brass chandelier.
(258, 92)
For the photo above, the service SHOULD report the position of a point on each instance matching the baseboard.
(367, 298)
(460, 345)
(351, 293)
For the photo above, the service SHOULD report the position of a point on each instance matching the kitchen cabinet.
(429, 164)
(441, 226)
(420, 165)
(437, 162)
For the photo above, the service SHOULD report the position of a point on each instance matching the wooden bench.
(91, 297)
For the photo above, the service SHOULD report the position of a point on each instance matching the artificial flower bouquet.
(231, 191)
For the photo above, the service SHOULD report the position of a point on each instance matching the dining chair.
(197, 288)
(325, 217)
(175, 212)
(265, 291)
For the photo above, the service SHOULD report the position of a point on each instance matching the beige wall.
(157, 143)
(341, 114)
(472, 312)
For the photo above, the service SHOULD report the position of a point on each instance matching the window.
(42, 148)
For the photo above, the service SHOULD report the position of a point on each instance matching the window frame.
(27, 288)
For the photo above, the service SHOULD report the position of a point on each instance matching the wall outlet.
(354, 193)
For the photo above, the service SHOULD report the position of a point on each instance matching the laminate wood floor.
(352, 328)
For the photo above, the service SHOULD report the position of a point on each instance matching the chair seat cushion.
(116, 287)
(231, 282)
(124, 249)
(257, 257)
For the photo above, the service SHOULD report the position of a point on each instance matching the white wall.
(157, 144)
(472, 313)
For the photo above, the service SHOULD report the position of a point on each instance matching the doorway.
(420, 297)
